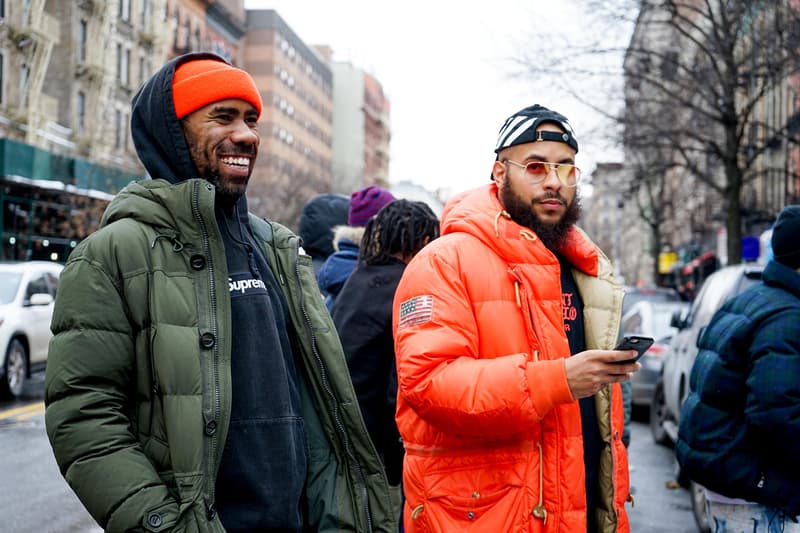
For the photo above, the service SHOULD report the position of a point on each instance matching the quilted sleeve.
(88, 387)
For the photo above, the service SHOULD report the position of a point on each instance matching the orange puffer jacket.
(492, 434)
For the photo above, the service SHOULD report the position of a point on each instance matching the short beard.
(521, 212)
(224, 193)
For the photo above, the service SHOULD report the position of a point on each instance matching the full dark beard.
(521, 211)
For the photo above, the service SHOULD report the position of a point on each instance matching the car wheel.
(658, 414)
(698, 495)
(16, 370)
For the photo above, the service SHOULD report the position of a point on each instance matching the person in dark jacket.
(363, 317)
(364, 204)
(195, 381)
(740, 424)
(321, 215)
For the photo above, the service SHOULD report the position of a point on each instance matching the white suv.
(27, 291)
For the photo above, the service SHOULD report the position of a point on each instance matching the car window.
(52, 282)
(661, 321)
(712, 296)
(9, 284)
(716, 290)
(38, 285)
(634, 295)
(632, 322)
(696, 314)
(748, 281)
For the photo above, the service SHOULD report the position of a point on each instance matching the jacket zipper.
(539, 511)
(334, 401)
(216, 407)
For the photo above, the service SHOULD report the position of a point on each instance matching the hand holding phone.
(634, 342)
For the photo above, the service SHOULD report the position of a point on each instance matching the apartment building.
(206, 25)
(377, 133)
(361, 127)
(68, 71)
(296, 125)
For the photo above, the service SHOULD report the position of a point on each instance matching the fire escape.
(34, 34)
(99, 67)
(97, 70)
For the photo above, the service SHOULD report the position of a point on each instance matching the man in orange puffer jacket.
(509, 402)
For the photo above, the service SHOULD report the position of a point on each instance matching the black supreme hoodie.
(260, 479)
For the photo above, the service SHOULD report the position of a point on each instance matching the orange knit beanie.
(204, 81)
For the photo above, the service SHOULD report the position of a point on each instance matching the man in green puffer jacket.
(195, 380)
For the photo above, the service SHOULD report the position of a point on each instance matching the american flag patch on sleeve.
(417, 310)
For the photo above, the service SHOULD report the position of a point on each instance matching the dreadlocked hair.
(402, 228)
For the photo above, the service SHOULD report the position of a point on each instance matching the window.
(2, 8)
(117, 129)
(81, 111)
(125, 10)
(24, 74)
(119, 61)
(142, 69)
(36, 286)
(144, 12)
(52, 281)
(669, 65)
(124, 131)
(632, 323)
(176, 20)
(126, 68)
(83, 33)
(123, 65)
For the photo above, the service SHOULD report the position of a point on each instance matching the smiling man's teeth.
(239, 161)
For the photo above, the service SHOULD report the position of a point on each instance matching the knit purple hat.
(365, 203)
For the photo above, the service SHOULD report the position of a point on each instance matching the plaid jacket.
(740, 425)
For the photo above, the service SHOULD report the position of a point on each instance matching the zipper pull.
(540, 512)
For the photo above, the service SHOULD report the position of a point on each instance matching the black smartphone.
(634, 342)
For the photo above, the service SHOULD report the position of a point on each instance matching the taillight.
(657, 350)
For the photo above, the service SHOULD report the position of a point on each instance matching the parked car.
(673, 386)
(650, 318)
(651, 294)
(27, 291)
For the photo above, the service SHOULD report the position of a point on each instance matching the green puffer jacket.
(138, 381)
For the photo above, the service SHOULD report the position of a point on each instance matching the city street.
(35, 496)
(37, 499)
(658, 507)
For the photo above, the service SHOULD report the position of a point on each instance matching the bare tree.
(281, 197)
(700, 77)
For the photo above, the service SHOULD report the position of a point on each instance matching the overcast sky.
(446, 71)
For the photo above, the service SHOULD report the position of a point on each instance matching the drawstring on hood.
(525, 233)
(177, 245)
(479, 213)
(501, 213)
